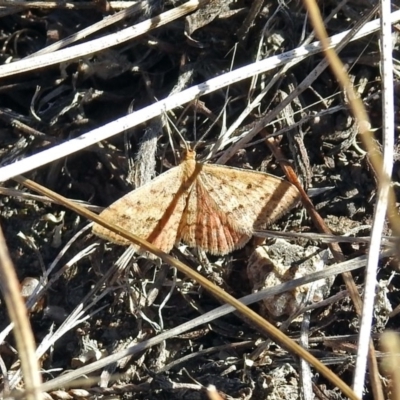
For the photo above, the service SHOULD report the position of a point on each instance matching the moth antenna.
(221, 113)
(178, 132)
(194, 122)
(187, 147)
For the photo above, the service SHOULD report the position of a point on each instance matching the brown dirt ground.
(129, 77)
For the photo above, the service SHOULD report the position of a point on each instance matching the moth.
(212, 207)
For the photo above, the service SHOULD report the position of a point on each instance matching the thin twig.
(382, 198)
(22, 329)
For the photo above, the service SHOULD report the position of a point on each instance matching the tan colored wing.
(152, 212)
(227, 204)
(207, 226)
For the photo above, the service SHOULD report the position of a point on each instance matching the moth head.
(188, 154)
